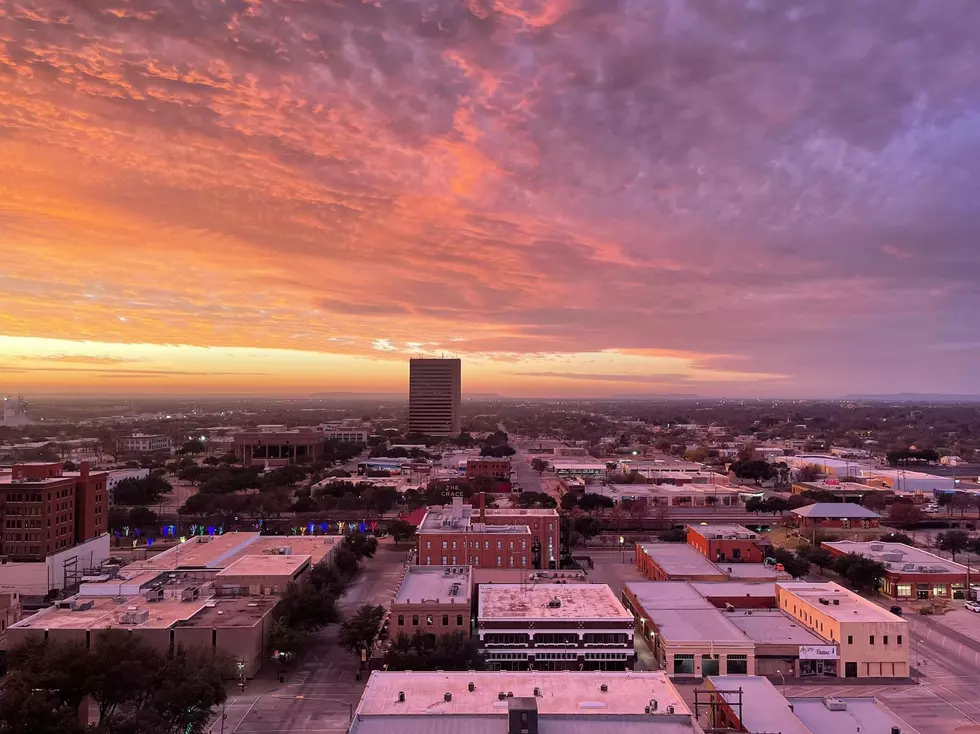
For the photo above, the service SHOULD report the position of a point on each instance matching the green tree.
(795, 565)
(821, 558)
(400, 530)
(674, 535)
(539, 465)
(308, 607)
(758, 470)
(361, 630)
(587, 527)
(953, 542)
(194, 446)
(147, 491)
(421, 651)
(897, 538)
(590, 502)
(363, 546)
(346, 561)
(324, 575)
(808, 473)
(288, 639)
(529, 500)
(904, 514)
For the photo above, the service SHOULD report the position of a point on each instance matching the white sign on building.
(818, 652)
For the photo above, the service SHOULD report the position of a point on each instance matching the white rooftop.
(440, 584)
(843, 605)
(525, 602)
(561, 692)
(764, 709)
(679, 559)
(899, 557)
(772, 627)
(725, 532)
(860, 716)
(697, 625)
(836, 510)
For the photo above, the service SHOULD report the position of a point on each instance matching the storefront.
(818, 660)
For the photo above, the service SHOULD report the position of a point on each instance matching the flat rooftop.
(860, 715)
(244, 611)
(750, 571)
(679, 559)
(845, 606)
(560, 692)
(836, 510)
(764, 709)
(285, 566)
(697, 625)
(106, 612)
(725, 532)
(772, 627)
(220, 551)
(578, 601)
(899, 557)
(440, 584)
(681, 490)
(728, 589)
(653, 595)
(518, 512)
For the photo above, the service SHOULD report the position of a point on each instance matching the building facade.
(140, 443)
(44, 509)
(836, 516)
(278, 448)
(911, 574)
(434, 397)
(488, 467)
(434, 600)
(554, 627)
(726, 543)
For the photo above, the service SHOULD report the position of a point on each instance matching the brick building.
(727, 543)
(44, 509)
(460, 534)
(836, 515)
(910, 573)
(487, 466)
(434, 599)
(141, 443)
(554, 627)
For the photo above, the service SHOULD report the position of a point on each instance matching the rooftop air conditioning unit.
(835, 704)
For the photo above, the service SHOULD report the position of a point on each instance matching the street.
(321, 689)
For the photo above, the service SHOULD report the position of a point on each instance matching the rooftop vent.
(401, 696)
(652, 706)
(501, 696)
(670, 709)
(835, 704)
(836, 602)
(604, 688)
(470, 687)
(554, 603)
(447, 697)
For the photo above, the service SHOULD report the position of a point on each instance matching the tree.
(808, 473)
(324, 575)
(346, 561)
(674, 535)
(528, 500)
(861, 573)
(821, 558)
(142, 517)
(360, 631)
(146, 491)
(591, 502)
(194, 446)
(289, 640)
(400, 530)
(874, 501)
(904, 514)
(587, 527)
(70, 466)
(308, 607)
(793, 564)
(421, 651)
(363, 546)
(758, 470)
(539, 465)
(953, 542)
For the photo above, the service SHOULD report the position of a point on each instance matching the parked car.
(973, 606)
(897, 611)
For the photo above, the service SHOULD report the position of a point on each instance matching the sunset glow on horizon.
(576, 197)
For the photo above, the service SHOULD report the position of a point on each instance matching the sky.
(576, 197)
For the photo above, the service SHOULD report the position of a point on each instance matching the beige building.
(871, 641)
(261, 575)
(434, 599)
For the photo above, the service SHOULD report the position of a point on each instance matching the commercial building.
(754, 704)
(13, 412)
(727, 543)
(141, 443)
(871, 641)
(910, 573)
(679, 496)
(532, 702)
(689, 636)
(783, 646)
(57, 571)
(683, 562)
(344, 434)
(434, 396)
(584, 469)
(435, 600)
(458, 534)
(213, 592)
(836, 515)
(488, 467)
(44, 509)
(279, 447)
(554, 627)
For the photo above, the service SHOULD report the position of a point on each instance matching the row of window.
(475, 561)
(871, 639)
(736, 664)
(429, 620)
(476, 545)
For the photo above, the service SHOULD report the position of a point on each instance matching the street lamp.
(622, 548)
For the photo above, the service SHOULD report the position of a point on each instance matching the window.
(428, 619)
(476, 561)
(512, 545)
(512, 561)
(738, 665)
(709, 665)
(415, 620)
(500, 544)
(454, 560)
(428, 544)
(445, 620)
(499, 562)
(443, 560)
(939, 590)
(903, 589)
(523, 560)
(850, 639)
(401, 620)
(486, 545)
(683, 665)
(459, 620)
(884, 640)
(871, 640)
(444, 545)
(899, 639)
(454, 545)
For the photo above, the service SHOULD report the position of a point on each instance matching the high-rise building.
(434, 390)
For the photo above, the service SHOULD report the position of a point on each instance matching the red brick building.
(44, 509)
(487, 466)
(503, 538)
(836, 515)
(727, 543)
(910, 573)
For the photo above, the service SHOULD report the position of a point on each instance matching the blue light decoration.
(221, 530)
(138, 531)
(116, 533)
(309, 528)
(362, 527)
(149, 542)
(193, 529)
(323, 527)
(210, 530)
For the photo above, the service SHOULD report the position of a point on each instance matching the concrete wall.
(37, 578)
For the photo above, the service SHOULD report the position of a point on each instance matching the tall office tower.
(434, 387)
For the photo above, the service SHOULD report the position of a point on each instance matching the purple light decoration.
(309, 528)
(149, 542)
(323, 527)
(362, 527)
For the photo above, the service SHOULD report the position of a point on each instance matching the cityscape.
(489, 367)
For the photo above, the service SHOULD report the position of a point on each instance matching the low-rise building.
(689, 636)
(683, 562)
(836, 515)
(487, 466)
(910, 573)
(679, 496)
(459, 534)
(261, 575)
(871, 641)
(727, 543)
(435, 600)
(584, 469)
(531, 702)
(278, 447)
(783, 646)
(142, 443)
(554, 627)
